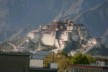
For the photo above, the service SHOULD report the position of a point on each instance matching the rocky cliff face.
(17, 17)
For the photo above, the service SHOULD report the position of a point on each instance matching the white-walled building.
(48, 39)
(74, 26)
(58, 33)
(94, 41)
(30, 35)
(83, 34)
(34, 35)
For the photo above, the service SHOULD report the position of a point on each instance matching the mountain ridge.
(15, 15)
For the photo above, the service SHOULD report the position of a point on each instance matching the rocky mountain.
(92, 13)
(17, 17)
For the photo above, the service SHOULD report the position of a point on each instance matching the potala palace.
(59, 35)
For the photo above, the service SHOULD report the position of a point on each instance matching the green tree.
(82, 59)
(90, 58)
(60, 58)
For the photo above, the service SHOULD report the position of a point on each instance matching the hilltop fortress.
(58, 34)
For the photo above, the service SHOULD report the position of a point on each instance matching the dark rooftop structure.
(42, 70)
(40, 55)
(20, 62)
(14, 62)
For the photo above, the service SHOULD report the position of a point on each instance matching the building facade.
(87, 68)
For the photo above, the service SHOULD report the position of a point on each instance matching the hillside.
(17, 17)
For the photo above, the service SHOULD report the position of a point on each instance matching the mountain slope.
(19, 14)
(92, 13)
